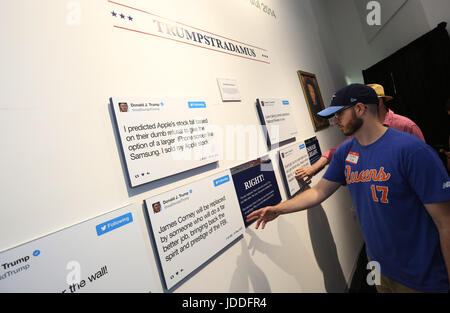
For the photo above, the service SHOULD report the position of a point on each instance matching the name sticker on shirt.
(352, 157)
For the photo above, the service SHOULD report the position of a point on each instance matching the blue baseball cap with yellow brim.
(349, 96)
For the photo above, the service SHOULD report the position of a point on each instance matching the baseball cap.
(349, 96)
(380, 91)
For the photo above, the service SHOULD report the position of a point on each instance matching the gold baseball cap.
(380, 91)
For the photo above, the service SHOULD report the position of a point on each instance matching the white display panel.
(163, 137)
(193, 223)
(301, 154)
(229, 89)
(276, 115)
(104, 254)
(292, 158)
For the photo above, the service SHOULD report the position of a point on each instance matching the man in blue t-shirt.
(400, 190)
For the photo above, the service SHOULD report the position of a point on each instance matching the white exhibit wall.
(437, 11)
(61, 162)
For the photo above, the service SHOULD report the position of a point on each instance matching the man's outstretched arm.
(303, 201)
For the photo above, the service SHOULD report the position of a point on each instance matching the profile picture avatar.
(123, 106)
(156, 207)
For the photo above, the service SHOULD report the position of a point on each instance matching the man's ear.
(360, 109)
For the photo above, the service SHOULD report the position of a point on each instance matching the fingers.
(299, 171)
(304, 175)
(257, 223)
(259, 215)
(303, 172)
(253, 216)
(260, 219)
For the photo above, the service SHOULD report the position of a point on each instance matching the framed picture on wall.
(313, 99)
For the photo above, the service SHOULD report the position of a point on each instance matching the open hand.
(263, 216)
(305, 174)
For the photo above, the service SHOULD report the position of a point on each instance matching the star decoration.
(122, 16)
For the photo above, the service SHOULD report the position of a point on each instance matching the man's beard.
(353, 125)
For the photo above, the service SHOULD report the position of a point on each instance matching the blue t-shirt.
(389, 181)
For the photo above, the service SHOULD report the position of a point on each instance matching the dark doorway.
(418, 76)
